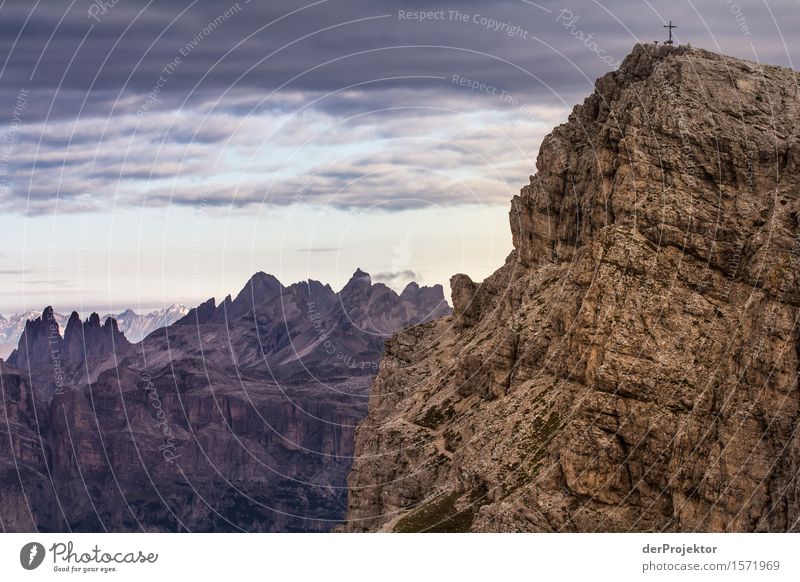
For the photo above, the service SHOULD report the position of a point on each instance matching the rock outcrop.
(12, 327)
(634, 364)
(91, 340)
(40, 344)
(135, 327)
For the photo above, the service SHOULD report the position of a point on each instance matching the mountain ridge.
(135, 327)
(236, 418)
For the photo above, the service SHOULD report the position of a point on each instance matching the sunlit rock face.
(633, 366)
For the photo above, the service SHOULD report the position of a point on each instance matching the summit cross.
(670, 26)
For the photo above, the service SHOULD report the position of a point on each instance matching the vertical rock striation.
(633, 366)
(40, 343)
(91, 340)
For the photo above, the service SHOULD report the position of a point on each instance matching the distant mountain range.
(135, 327)
(238, 416)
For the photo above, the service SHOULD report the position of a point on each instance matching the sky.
(162, 152)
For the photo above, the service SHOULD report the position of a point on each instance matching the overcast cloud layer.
(349, 103)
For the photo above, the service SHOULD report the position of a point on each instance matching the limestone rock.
(633, 366)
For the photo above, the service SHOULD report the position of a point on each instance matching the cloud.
(60, 283)
(15, 271)
(377, 161)
(146, 106)
(264, 45)
(395, 276)
(319, 250)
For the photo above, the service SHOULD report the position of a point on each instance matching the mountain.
(90, 340)
(137, 327)
(633, 365)
(305, 325)
(51, 360)
(11, 329)
(40, 343)
(238, 417)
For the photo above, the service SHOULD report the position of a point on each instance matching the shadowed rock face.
(305, 330)
(40, 343)
(238, 417)
(91, 340)
(135, 327)
(12, 328)
(633, 366)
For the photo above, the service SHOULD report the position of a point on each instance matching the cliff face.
(633, 366)
(176, 453)
(40, 343)
(90, 340)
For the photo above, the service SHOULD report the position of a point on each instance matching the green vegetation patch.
(439, 516)
(543, 432)
(435, 415)
(534, 448)
(452, 440)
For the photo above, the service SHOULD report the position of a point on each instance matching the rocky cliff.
(633, 366)
(12, 328)
(92, 340)
(40, 343)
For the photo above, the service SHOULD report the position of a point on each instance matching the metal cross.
(670, 26)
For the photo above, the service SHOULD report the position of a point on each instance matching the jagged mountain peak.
(260, 286)
(73, 322)
(201, 314)
(111, 324)
(91, 340)
(40, 341)
(360, 275)
(410, 289)
(290, 329)
(359, 280)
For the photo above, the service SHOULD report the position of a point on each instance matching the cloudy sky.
(163, 151)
